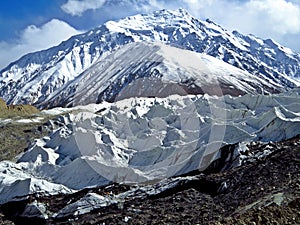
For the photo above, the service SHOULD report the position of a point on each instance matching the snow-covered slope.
(140, 140)
(155, 70)
(35, 76)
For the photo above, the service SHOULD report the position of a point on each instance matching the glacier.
(141, 140)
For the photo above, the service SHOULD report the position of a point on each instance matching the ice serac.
(37, 75)
(155, 70)
(84, 205)
(17, 184)
(141, 140)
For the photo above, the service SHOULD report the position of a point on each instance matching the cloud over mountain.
(76, 8)
(276, 19)
(34, 38)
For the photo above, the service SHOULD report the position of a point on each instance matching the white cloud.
(195, 6)
(150, 5)
(35, 38)
(281, 16)
(277, 19)
(264, 18)
(278, 16)
(77, 7)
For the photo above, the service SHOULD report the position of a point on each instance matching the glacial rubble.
(265, 190)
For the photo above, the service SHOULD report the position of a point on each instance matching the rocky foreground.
(265, 189)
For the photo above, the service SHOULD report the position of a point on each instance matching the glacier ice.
(139, 140)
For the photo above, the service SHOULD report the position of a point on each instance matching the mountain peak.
(147, 21)
(180, 12)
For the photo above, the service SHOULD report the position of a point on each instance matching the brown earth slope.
(8, 111)
(14, 136)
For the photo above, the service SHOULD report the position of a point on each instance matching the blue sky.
(32, 25)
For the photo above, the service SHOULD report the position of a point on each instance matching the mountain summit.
(39, 77)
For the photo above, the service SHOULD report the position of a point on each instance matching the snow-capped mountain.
(155, 70)
(36, 76)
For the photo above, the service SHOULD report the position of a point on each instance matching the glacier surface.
(141, 140)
